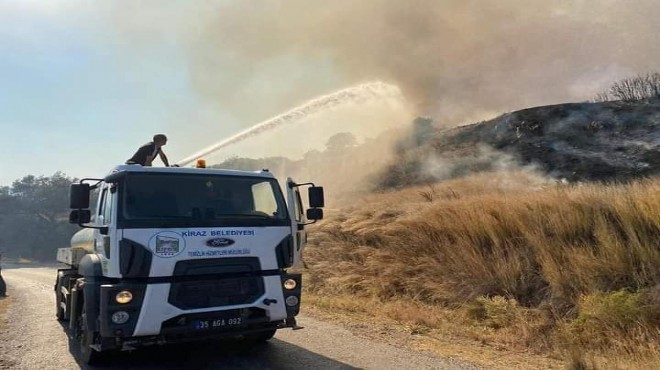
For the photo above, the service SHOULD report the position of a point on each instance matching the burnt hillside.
(609, 141)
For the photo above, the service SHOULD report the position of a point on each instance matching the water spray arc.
(355, 94)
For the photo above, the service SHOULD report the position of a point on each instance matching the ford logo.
(219, 242)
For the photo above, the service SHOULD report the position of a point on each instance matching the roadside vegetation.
(34, 218)
(4, 304)
(508, 259)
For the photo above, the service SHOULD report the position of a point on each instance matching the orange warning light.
(201, 163)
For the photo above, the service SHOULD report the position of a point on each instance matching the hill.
(464, 239)
(607, 141)
(504, 260)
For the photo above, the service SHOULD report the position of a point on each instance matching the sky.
(84, 83)
(79, 95)
(73, 99)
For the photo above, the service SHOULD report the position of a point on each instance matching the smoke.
(484, 159)
(454, 60)
(354, 95)
(457, 61)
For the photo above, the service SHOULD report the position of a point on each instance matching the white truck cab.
(182, 254)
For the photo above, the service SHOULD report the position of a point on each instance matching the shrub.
(611, 316)
(636, 88)
(498, 312)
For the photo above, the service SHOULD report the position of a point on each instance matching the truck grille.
(218, 284)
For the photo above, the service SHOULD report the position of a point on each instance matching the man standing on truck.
(147, 152)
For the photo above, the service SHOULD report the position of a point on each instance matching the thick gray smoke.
(456, 60)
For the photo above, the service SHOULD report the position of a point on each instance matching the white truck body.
(202, 252)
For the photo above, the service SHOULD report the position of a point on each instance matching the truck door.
(104, 218)
(294, 202)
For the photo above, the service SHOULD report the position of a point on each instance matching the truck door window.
(264, 198)
(107, 206)
(99, 211)
(299, 207)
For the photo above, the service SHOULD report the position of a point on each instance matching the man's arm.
(163, 158)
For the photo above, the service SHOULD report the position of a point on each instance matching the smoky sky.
(452, 59)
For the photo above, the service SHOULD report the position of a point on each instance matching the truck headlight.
(290, 284)
(124, 297)
(120, 317)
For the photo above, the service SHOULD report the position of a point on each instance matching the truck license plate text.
(218, 323)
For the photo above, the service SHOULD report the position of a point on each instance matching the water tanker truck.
(182, 254)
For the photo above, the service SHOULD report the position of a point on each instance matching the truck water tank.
(83, 239)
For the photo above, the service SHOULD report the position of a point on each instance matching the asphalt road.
(33, 339)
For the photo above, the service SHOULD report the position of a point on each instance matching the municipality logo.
(167, 244)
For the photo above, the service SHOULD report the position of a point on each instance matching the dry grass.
(530, 263)
(4, 304)
(423, 327)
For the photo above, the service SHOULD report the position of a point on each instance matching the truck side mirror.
(79, 196)
(316, 199)
(80, 216)
(314, 214)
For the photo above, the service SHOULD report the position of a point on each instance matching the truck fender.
(90, 266)
(92, 279)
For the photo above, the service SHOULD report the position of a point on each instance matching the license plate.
(219, 323)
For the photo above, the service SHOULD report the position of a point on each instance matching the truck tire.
(88, 355)
(59, 311)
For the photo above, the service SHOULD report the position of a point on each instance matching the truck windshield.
(158, 200)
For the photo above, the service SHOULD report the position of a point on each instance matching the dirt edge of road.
(4, 306)
(438, 344)
(377, 329)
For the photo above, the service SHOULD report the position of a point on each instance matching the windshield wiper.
(223, 215)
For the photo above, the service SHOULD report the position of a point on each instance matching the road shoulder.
(433, 342)
(5, 361)
(32, 338)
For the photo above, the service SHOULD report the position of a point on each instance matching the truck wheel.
(59, 311)
(262, 336)
(88, 355)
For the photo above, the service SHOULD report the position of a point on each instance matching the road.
(33, 339)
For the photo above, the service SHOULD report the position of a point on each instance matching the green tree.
(34, 216)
